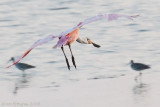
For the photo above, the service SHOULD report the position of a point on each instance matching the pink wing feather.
(37, 43)
(109, 17)
(63, 39)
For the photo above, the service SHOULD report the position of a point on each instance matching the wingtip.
(12, 64)
(8, 66)
(134, 16)
(54, 47)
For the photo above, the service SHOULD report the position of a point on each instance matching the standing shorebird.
(21, 66)
(71, 35)
(139, 67)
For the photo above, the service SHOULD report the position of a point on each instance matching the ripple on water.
(13, 25)
(103, 52)
(105, 77)
(143, 30)
(61, 8)
(52, 62)
(51, 86)
(5, 20)
(132, 24)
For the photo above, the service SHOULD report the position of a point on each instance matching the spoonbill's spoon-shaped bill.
(63, 38)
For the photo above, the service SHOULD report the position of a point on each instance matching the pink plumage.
(70, 35)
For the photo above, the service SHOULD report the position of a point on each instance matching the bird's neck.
(83, 41)
(132, 62)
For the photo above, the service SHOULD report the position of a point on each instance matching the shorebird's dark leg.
(136, 78)
(140, 76)
(73, 61)
(140, 73)
(66, 58)
(15, 89)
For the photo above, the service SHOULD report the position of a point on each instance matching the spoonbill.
(21, 66)
(71, 35)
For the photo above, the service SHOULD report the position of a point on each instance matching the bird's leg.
(73, 61)
(136, 78)
(140, 75)
(66, 58)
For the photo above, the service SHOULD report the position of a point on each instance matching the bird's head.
(12, 59)
(89, 41)
(94, 44)
(131, 62)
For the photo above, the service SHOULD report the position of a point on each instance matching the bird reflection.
(140, 93)
(138, 78)
(140, 88)
(21, 82)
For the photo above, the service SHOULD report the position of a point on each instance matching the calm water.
(22, 22)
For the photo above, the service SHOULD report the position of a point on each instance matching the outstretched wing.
(109, 17)
(64, 39)
(37, 43)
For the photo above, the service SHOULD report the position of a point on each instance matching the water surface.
(22, 22)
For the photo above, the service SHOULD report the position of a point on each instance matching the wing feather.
(62, 36)
(37, 43)
(109, 17)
